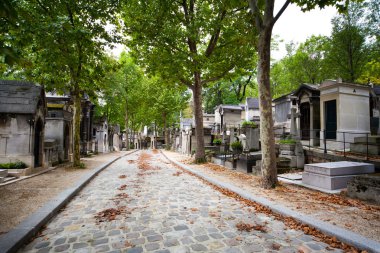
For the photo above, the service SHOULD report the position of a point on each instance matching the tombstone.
(297, 157)
(334, 175)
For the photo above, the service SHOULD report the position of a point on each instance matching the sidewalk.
(22, 198)
(350, 214)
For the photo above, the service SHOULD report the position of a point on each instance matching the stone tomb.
(334, 175)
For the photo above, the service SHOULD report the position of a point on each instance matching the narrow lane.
(141, 203)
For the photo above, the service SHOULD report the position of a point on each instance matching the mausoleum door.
(38, 144)
(330, 119)
(305, 121)
(66, 142)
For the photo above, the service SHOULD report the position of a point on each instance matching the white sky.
(295, 25)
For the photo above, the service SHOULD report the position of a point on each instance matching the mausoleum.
(22, 123)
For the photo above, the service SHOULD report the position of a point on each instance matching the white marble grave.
(334, 175)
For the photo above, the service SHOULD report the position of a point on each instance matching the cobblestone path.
(156, 208)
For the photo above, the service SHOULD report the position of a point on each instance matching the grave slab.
(326, 182)
(340, 168)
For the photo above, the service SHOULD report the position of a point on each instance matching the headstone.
(334, 175)
(297, 157)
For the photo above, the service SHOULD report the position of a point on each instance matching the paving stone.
(165, 213)
(114, 232)
(233, 250)
(180, 227)
(61, 248)
(163, 251)
(154, 238)
(44, 250)
(187, 240)
(60, 241)
(135, 250)
(171, 243)
(42, 245)
(198, 247)
(152, 246)
(201, 238)
(100, 241)
(79, 245)
(102, 248)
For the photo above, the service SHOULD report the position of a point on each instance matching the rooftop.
(19, 97)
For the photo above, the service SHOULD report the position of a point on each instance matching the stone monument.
(296, 157)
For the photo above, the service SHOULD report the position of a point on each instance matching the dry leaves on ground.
(122, 176)
(177, 173)
(290, 222)
(241, 226)
(122, 187)
(109, 214)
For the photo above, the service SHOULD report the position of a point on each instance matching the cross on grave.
(293, 122)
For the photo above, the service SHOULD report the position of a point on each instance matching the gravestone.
(334, 175)
(296, 157)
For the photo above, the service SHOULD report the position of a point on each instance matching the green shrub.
(237, 146)
(249, 124)
(287, 141)
(217, 141)
(16, 165)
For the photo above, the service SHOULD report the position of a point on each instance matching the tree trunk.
(268, 165)
(166, 132)
(198, 116)
(77, 114)
(126, 131)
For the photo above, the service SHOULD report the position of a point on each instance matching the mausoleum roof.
(20, 97)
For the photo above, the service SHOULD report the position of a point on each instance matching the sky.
(295, 25)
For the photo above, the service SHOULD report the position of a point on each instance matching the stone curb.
(343, 235)
(17, 237)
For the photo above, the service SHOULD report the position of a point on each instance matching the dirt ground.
(20, 199)
(351, 214)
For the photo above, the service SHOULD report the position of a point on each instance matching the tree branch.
(283, 8)
(256, 13)
(215, 78)
(214, 38)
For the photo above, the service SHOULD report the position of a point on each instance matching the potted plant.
(237, 147)
(287, 144)
(217, 142)
(249, 124)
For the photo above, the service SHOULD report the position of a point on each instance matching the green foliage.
(237, 146)
(232, 92)
(287, 141)
(15, 165)
(249, 124)
(217, 142)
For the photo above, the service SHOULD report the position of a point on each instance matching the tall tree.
(348, 51)
(264, 19)
(66, 41)
(191, 42)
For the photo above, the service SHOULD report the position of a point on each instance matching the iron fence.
(346, 143)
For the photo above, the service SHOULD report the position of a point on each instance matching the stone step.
(372, 139)
(340, 168)
(362, 148)
(3, 172)
(283, 162)
(325, 181)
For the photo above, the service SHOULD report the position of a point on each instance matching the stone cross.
(293, 122)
